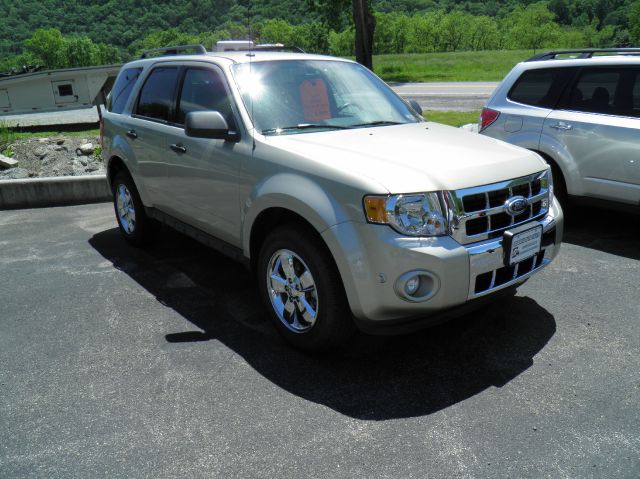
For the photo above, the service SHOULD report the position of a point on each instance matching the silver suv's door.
(202, 173)
(147, 128)
(596, 132)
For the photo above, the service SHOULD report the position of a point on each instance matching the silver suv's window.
(156, 97)
(540, 87)
(292, 96)
(607, 91)
(122, 89)
(203, 90)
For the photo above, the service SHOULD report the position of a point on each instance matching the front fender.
(295, 193)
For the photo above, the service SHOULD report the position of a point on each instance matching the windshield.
(297, 96)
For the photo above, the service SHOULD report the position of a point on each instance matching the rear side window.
(594, 91)
(636, 95)
(122, 89)
(156, 96)
(540, 88)
(608, 91)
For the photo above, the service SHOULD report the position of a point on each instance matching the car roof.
(232, 57)
(598, 60)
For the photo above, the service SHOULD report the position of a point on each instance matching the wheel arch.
(556, 168)
(114, 166)
(268, 220)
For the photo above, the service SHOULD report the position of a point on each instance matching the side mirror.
(416, 106)
(208, 124)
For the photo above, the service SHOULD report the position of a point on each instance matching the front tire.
(135, 226)
(302, 290)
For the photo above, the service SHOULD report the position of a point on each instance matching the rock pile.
(59, 156)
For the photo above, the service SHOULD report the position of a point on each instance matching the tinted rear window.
(156, 96)
(607, 90)
(540, 88)
(122, 89)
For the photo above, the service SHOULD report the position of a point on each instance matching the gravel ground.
(55, 156)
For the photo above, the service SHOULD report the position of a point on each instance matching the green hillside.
(92, 32)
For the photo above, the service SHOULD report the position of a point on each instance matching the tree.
(363, 20)
(47, 47)
(533, 26)
(365, 23)
(80, 52)
(634, 22)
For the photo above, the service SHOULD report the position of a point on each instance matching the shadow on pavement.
(373, 378)
(605, 230)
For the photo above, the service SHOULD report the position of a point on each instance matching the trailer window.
(65, 90)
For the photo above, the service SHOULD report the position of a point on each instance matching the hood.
(414, 157)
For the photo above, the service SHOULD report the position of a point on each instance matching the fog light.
(412, 285)
(416, 286)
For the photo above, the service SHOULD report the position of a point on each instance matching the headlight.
(413, 215)
(546, 181)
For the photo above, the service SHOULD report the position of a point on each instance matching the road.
(458, 96)
(119, 362)
(448, 96)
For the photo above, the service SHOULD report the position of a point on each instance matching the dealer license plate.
(522, 245)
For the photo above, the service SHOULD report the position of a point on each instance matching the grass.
(7, 135)
(451, 66)
(452, 118)
(22, 135)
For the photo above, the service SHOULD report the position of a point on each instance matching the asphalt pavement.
(447, 96)
(120, 362)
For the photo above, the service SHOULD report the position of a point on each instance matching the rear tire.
(301, 288)
(135, 226)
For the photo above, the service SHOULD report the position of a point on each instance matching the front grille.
(493, 279)
(480, 212)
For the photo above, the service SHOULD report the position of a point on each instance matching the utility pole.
(365, 24)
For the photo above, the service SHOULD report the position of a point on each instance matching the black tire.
(333, 323)
(138, 229)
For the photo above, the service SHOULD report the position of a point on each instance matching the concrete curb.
(57, 191)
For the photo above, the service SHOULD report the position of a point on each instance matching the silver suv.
(580, 110)
(348, 206)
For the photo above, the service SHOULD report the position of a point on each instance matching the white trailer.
(55, 90)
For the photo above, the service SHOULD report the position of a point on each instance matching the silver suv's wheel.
(134, 224)
(125, 209)
(301, 287)
(292, 290)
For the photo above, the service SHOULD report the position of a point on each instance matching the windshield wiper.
(378, 123)
(304, 126)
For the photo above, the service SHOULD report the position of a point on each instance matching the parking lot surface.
(118, 362)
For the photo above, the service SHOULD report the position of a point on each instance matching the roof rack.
(200, 50)
(270, 48)
(583, 53)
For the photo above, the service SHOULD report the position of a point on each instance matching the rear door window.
(636, 95)
(596, 91)
(122, 89)
(157, 94)
(542, 87)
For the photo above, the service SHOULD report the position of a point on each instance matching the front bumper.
(371, 258)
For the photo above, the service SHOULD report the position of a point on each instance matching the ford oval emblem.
(516, 205)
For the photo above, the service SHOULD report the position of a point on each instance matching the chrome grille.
(480, 213)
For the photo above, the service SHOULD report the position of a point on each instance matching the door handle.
(562, 126)
(132, 134)
(178, 148)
